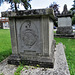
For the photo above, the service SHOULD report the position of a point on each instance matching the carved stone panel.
(29, 38)
(28, 35)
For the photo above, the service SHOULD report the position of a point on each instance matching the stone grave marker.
(65, 23)
(32, 37)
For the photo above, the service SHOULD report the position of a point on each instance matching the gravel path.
(60, 66)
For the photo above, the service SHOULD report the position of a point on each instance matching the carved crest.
(28, 33)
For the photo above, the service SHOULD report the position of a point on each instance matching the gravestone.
(1, 25)
(32, 37)
(65, 23)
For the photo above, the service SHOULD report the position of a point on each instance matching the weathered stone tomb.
(65, 23)
(32, 37)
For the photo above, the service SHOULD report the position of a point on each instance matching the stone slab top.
(33, 12)
(68, 15)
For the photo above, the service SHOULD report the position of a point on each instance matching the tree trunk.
(15, 7)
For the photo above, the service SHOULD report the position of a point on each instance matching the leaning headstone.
(32, 37)
(65, 23)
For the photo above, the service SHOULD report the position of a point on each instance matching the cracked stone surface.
(60, 66)
(6, 69)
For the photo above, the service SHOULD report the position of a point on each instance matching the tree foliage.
(73, 19)
(55, 7)
(26, 4)
(15, 4)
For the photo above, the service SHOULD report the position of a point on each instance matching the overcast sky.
(37, 4)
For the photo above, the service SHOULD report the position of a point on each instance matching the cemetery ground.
(5, 49)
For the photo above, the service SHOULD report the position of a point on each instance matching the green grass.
(5, 44)
(1, 74)
(5, 49)
(69, 51)
(20, 67)
(54, 31)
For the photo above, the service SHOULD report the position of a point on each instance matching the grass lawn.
(69, 51)
(5, 44)
(5, 48)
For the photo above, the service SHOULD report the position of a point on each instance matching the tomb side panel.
(64, 22)
(29, 36)
(45, 34)
(13, 35)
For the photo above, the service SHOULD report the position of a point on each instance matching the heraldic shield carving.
(28, 33)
